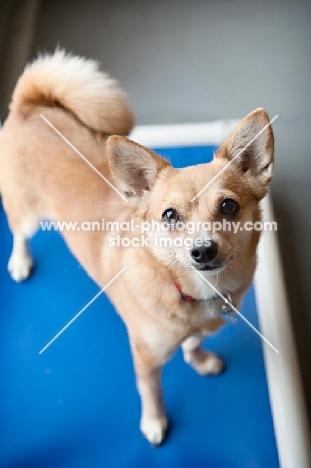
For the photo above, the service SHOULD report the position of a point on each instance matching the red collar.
(188, 298)
(226, 311)
(184, 297)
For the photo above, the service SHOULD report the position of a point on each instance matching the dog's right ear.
(134, 168)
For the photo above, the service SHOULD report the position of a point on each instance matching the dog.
(166, 295)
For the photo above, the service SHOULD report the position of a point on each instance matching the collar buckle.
(227, 312)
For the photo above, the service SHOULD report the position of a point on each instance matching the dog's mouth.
(216, 267)
(208, 267)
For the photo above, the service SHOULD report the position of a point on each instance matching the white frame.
(284, 382)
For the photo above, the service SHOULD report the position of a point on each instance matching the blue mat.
(76, 406)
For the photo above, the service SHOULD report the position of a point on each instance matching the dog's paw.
(20, 266)
(154, 429)
(213, 365)
(206, 363)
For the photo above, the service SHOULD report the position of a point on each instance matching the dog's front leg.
(148, 368)
(153, 423)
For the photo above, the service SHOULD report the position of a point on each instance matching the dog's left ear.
(250, 147)
(134, 168)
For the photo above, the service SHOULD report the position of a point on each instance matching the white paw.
(211, 365)
(204, 362)
(154, 429)
(19, 266)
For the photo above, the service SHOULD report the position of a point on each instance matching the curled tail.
(78, 85)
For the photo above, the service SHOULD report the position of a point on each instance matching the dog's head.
(206, 210)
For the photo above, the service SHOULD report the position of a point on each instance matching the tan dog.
(161, 296)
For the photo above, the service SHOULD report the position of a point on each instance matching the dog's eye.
(170, 216)
(229, 206)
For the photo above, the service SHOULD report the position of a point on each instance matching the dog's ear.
(250, 147)
(133, 167)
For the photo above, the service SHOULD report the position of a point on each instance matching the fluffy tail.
(78, 85)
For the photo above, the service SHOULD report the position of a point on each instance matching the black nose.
(204, 253)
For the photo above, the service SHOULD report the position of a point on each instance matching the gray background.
(192, 61)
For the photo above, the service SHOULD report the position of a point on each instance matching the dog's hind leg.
(20, 262)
